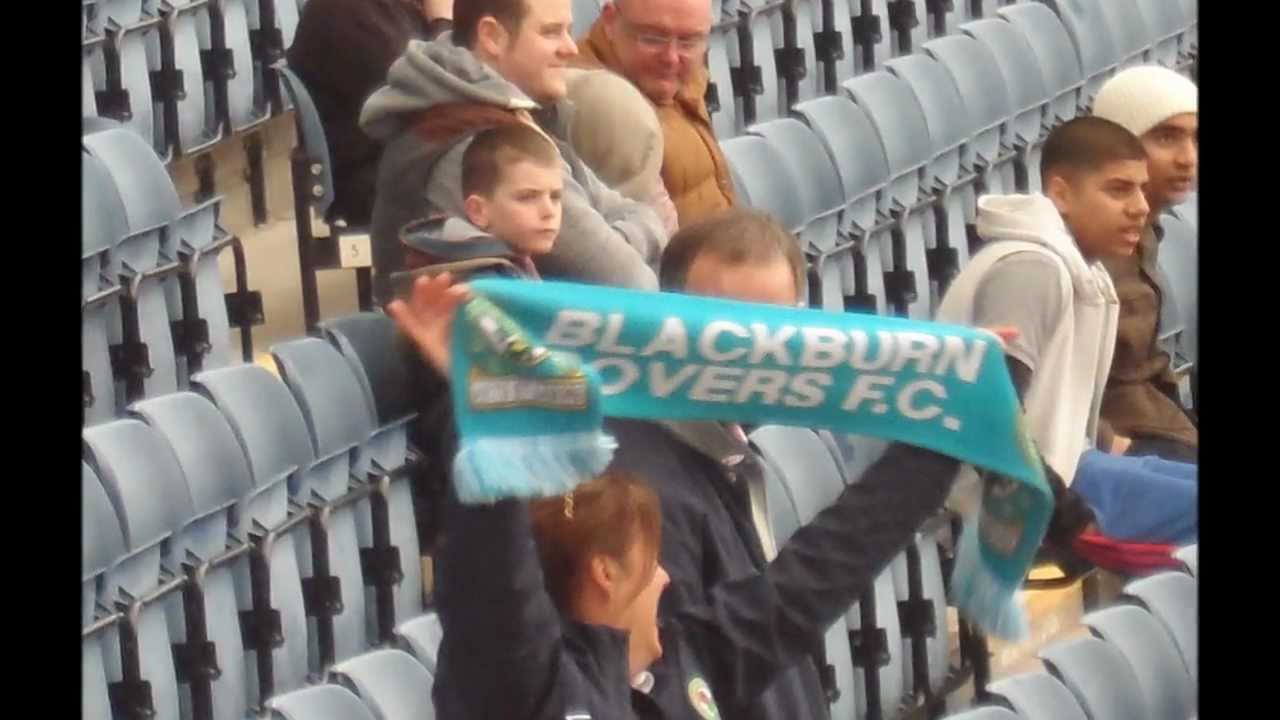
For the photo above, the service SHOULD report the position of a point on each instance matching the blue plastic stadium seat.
(800, 25)
(984, 713)
(763, 180)
(1037, 696)
(722, 96)
(585, 13)
(131, 33)
(319, 702)
(420, 637)
(103, 227)
(384, 366)
(1091, 34)
(1030, 97)
(193, 123)
(144, 483)
(818, 181)
(758, 95)
(949, 126)
(1163, 679)
(904, 133)
(1130, 29)
(851, 142)
(1166, 23)
(391, 683)
(338, 422)
(274, 23)
(1179, 261)
(101, 546)
(217, 477)
(1172, 599)
(1099, 677)
(247, 102)
(1058, 61)
(273, 436)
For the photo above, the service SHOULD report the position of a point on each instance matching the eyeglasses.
(686, 45)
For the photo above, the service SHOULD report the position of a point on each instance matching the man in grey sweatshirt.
(503, 63)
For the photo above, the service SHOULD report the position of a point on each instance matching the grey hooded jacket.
(604, 237)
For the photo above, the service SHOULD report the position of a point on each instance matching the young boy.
(1041, 272)
(1141, 403)
(511, 186)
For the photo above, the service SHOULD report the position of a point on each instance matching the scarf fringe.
(489, 469)
(985, 598)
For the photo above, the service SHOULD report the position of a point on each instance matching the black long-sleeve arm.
(755, 627)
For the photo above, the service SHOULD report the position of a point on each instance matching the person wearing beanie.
(660, 46)
(1141, 404)
(616, 133)
(341, 51)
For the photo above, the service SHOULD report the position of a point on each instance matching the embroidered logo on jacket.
(702, 700)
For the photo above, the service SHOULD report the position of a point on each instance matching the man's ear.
(477, 210)
(610, 15)
(1058, 190)
(492, 38)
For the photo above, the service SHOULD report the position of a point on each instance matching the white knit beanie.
(615, 131)
(1139, 98)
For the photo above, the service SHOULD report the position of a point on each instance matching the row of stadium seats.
(153, 306)
(183, 74)
(1139, 661)
(244, 536)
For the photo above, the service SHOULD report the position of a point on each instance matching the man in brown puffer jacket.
(1141, 402)
(660, 45)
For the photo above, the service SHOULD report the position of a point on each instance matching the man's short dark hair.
(468, 13)
(1086, 144)
(736, 237)
(496, 148)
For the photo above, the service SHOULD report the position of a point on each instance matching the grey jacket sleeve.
(605, 238)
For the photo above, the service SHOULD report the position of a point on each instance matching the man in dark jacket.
(716, 542)
(341, 51)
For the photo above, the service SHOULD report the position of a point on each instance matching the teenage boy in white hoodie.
(1041, 272)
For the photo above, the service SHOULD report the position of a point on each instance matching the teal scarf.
(536, 366)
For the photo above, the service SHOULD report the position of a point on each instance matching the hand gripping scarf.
(536, 367)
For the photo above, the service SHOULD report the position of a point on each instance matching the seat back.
(1020, 68)
(337, 415)
(101, 542)
(1172, 599)
(585, 13)
(1162, 677)
(722, 101)
(266, 420)
(1128, 28)
(819, 188)
(421, 637)
(144, 186)
(945, 114)
(1190, 557)
(391, 682)
(1037, 696)
(1099, 676)
(852, 144)
(319, 702)
(977, 76)
(762, 179)
(984, 713)
(1058, 60)
(903, 131)
(1092, 36)
(809, 472)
